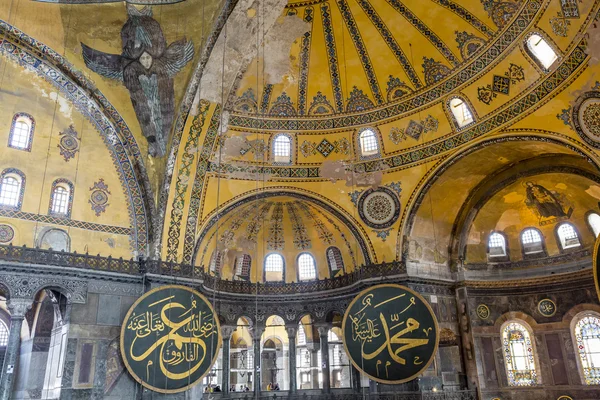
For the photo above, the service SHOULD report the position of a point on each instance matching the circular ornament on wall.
(483, 312)
(7, 233)
(379, 208)
(586, 117)
(547, 307)
(565, 398)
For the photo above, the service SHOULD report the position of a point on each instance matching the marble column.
(291, 331)
(226, 332)
(257, 336)
(17, 308)
(324, 341)
(356, 383)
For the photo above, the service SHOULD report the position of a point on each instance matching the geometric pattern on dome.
(99, 199)
(379, 208)
(585, 117)
(68, 143)
(7, 233)
(501, 84)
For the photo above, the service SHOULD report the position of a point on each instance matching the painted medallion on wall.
(390, 333)
(483, 312)
(170, 339)
(547, 307)
(586, 117)
(379, 208)
(7, 233)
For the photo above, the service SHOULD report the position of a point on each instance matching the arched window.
(12, 185)
(335, 260)
(62, 198)
(307, 270)
(216, 260)
(594, 222)
(367, 140)
(273, 268)
(461, 112)
(519, 355)
(541, 50)
(587, 336)
(55, 239)
(531, 240)
(301, 335)
(496, 245)
(3, 334)
(282, 149)
(242, 267)
(567, 236)
(21, 132)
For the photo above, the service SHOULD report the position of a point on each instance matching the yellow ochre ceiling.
(360, 54)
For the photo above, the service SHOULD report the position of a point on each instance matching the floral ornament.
(501, 84)
(68, 143)
(99, 197)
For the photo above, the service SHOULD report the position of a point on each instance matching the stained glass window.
(518, 355)
(3, 334)
(587, 335)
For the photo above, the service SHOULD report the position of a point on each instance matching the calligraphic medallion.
(483, 311)
(390, 333)
(565, 398)
(170, 339)
(547, 307)
(596, 266)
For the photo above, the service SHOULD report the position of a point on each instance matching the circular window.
(379, 208)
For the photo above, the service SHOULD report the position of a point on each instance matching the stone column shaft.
(17, 308)
(257, 366)
(225, 354)
(292, 358)
(324, 341)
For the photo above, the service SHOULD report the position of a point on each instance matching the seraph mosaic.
(549, 206)
(146, 66)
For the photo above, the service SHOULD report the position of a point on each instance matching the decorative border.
(31, 130)
(21, 175)
(394, 218)
(70, 201)
(87, 99)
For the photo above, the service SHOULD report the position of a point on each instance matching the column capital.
(323, 328)
(18, 307)
(227, 331)
(256, 332)
(291, 331)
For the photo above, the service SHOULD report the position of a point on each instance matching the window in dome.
(62, 198)
(567, 236)
(307, 270)
(532, 242)
(242, 267)
(496, 245)
(587, 337)
(541, 50)
(11, 188)
(216, 259)
(273, 268)
(461, 112)
(21, 132)
(519, 355)
(3, 334)
(368, 142)
(301, 337)
(282, 149)
(594, 222)
(335, 261)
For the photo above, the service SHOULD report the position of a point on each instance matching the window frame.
(314, 264)
(275, 159)
(535, 58)
(241, 258)
(16, 117)
(341, 257)
(559, 240)
(282, 266)
(589, 224)
(20, 176)
(574, 322)
(61, 182)
(534, 356)
(469, 106)
(540, 254)
(500, 258)
(218, 256)
(378, 141)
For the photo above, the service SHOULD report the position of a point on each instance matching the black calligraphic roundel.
(596, 266)
(390, 333)
(170, 339)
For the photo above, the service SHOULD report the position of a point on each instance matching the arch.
(274, 268)
(21, 131)
(539, 48)
(369, 145)
(61, 198)
(306, 266)
(585, 333)
(54, 239)
(497, 246)
(461, 111)
(567, 236)
(532, 243)
(520, 354)
(592, 219)
(281, 148)
(334, 260)
(12, 188)
(120, 141)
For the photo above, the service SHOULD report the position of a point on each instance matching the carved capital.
(18, 307)
(227, 331)
(323, 329)
(291, 331)
(256, 332)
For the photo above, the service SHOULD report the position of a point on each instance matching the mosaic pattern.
(466, 15)
(304, 62)
(301, 238)
(49, 219)
(414, 129)
(585, 117)
(68, 143)
(468, 44)
(349, 247)
(323, 233)
(565, 117)
(358, 101)
(283, 106)
(276, 240)
(501, 84)
(256, 223)
(363, 54)
(434, 71)
(320, 105)
(258, 147)
(325, 147)
(116, 135)
(7, 233)
(475, 66)
(391, 42)
(334, 71)
(266, 97)
(397, 89)
(246, 103)
(501, 11)
(383, 234)
(560, 24)
(379, 208)
(99, 198)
